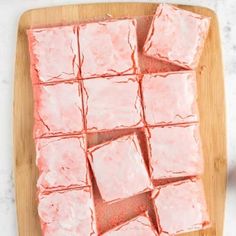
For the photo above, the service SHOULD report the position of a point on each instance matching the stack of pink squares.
(87, 79)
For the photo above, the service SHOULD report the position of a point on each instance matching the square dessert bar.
(68, 212)
(53, 54)
(180, 207)
(119, 168)
(170, 98)
(175, 151)
(138, 226)
(112, 103)
(177, 36)
(57, 109)
(62, 163)
(108, 48)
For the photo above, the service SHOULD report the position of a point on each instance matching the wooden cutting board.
(211, 105)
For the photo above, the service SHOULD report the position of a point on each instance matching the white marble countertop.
(10, 11)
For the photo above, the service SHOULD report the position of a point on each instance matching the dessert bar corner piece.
(57, 109)
(177, 36)
(69, 212)
(175, 151)
(53, 54)
(138, 226)
(108, 48)
(180, 207)
(62, 163)
(112, 103)
(119, 168)
(170, 97)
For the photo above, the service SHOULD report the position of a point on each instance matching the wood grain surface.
(211, 105)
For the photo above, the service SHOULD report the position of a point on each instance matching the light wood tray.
(211, 106)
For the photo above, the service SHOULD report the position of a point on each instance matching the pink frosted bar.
(119, 168)
(138, 226)
(180, 207)
(53, 54)
(175, 151)
(177, 36)
(170, 97)
(62, 163)
(108, 48)
(112, 103)
(57, 109)
(68, 212)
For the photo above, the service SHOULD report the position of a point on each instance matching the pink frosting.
(180, 207)
(54, 53)
(58, 109)
(177, 36)
(112, 103)
(119, 168)
(108, 48)
(138, 226)
(67, 213)
(170, 97)
(175, 151)
(62, 163)
(105, 55)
